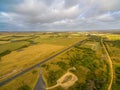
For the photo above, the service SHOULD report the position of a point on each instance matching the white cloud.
(63, 13)
(38, 12)
(106, 17)
(109, 4)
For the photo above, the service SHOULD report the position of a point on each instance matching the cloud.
(39, 12)
(110, 4)
(106, 17)
(60, 14)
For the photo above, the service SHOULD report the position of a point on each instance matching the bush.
(78, 86)
(34, 72)
(5, 52)
(24, 87)
(117, 72)
(115, 43)
(51, 77)
(62, 65)
(45, 66)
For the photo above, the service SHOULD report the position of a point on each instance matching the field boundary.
(42, 62)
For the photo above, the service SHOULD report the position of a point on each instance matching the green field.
(19, 51)
(114, 51)
(91, 67)
(26, 50)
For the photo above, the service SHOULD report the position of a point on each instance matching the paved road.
(45, 60)
(110, 66)
(40, 83)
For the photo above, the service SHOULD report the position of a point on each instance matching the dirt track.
(110, 66)
(67, 80)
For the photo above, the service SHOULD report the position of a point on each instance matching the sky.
(59, 15)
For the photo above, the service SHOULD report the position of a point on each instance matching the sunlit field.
(59, 44)
(25, 50)
(84, 66)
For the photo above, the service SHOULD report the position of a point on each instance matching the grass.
(24, 58)
(13, 46)
(114, 51)
(25, 82)
(17, 41)
(113, 37)
(57, 40)
(90, 68)
(16, 56)
(88, 58)
(4, 42)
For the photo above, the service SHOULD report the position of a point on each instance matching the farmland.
(114, 51)
(84, 66)
(91, 68)
(25, 50)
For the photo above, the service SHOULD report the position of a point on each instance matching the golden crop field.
(21, 59)
(113, 37)
(4, 42)
(30, 78)
(24, 54)
(24, 51)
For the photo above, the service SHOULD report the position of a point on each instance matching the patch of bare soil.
(66, 81)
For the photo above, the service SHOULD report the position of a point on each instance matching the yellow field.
(30, 78)
(20, 59)
(113, 37)
(33, 48)
(4, 42)
(20, 38)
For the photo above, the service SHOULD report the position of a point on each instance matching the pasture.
(24, 58)
(19, 52)
(114, 51)
(23, 50)
(91, 68)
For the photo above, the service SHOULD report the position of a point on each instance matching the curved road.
(110, 65)
(45, 60)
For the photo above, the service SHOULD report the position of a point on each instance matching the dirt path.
(110, 66)
(7, 75)
(67, 80)
(52, 87)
